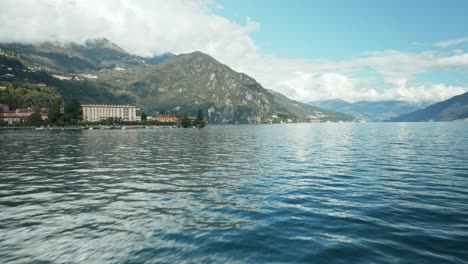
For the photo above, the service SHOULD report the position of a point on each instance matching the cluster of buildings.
(74, 77)
(98, 112)
(19, 115)
(91, 113)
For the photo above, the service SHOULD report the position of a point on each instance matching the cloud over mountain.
(152, 27)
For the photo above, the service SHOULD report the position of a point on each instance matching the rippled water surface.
(316, 193)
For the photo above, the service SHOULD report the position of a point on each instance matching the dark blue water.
(315, 193)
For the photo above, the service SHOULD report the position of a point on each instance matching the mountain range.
(455, 108)
(371, 111)
(93, 55)
(99, 71)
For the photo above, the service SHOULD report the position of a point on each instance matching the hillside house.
(20, 115)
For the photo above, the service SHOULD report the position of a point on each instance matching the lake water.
(315, 193)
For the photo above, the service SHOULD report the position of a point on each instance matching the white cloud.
(394, 78)
(456, 61)
(337, 86)
(152, 27)
(143, 27)
(452, 42)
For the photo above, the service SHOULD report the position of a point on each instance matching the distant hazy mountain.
(95, 54)
(372, 111)
(451, 109)
(183, 83)
(303, 109)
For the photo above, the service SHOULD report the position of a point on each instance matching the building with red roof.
(20, 114)
(166, 118)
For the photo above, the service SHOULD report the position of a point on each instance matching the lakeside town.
(92, 116)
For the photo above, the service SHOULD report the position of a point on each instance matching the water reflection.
(274, 193)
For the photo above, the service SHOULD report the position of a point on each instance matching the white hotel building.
(98, 112)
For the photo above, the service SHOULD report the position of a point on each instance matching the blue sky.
(342, 29)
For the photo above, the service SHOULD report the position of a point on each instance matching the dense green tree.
(144, 117)
(109, 121)
(24, 94)
(200, 122)
(200, 115)
(73, 112)
(2, 122)
(55, 113)
(186, 121)
(113, 121)
(35, 119)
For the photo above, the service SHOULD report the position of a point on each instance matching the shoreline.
(124, 127)
(86, 128)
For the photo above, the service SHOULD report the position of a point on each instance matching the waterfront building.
(10, 117)
(24, 112)
(165, 118)
(20, 115)
(98, 112)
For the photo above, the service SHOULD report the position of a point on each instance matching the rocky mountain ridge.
(182, 83)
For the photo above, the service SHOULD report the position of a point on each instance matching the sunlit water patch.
(323, 193)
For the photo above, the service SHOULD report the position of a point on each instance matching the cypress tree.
(73, 112)
(200, 121)
(186, 121)
(55, 113)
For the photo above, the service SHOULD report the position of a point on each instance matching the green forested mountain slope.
(90, 91)
(183, 83)
(194, 81)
